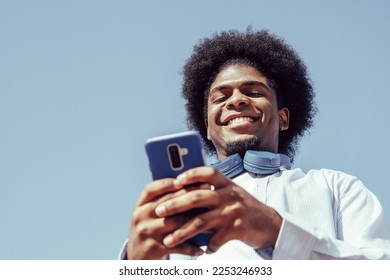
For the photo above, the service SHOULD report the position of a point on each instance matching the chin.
(243, 138)
(240, 145)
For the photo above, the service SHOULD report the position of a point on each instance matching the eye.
(255, 94)
(219, 99)
(254, 89)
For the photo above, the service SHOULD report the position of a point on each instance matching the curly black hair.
(267, 53)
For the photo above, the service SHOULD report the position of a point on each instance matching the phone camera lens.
(175, 157)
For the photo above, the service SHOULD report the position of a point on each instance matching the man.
(250, 92)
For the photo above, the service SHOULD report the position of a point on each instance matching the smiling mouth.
(239, 120)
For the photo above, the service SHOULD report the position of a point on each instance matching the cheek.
(213, 114)
(209, 121)
(210, 126)
(208, 129)
(269, 112)
(213, 121)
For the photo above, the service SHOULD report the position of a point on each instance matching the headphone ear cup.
(263, 163)
(230, 167)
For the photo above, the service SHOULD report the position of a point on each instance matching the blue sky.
(84, 83)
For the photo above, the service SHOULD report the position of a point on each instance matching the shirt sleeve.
(362, 229)
(123, 252)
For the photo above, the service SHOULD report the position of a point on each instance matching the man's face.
(242, 107)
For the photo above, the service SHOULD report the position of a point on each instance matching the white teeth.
(240, 119)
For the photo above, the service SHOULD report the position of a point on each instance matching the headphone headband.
(258, 162)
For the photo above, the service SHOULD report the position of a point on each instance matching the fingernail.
(209, 252)
(199, 253)
(161, 211)
(168, 241)
(182, 177)
(177, 184)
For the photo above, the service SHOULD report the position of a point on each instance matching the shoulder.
(336, 180)
(323, 173)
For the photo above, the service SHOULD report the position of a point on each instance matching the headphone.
(258, 162)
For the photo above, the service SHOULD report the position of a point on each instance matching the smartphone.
(172, 154)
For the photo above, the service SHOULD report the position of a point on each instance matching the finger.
(157, 188)
(154, 249)
(218, 239)
(181, 192)
(199, 224)
(187, 249)
(171, 195)
(205, 174)
(159, 226)
(197, 186)
(146, 211)
(190, 200)
(184, 233)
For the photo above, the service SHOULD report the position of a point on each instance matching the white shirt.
(326, 215)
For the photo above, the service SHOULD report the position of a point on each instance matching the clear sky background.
(84, 83)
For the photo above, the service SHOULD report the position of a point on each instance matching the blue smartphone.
(170, 155)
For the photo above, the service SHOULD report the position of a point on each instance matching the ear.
(284, 119)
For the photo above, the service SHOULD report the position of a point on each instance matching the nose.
(237, 99)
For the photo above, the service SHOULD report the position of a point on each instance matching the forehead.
(237, 73)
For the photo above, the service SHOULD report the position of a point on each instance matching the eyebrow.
(246, 83)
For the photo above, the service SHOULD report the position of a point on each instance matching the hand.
(233, 214)
(147, 229)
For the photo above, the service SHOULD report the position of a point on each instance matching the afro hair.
(267, 53)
